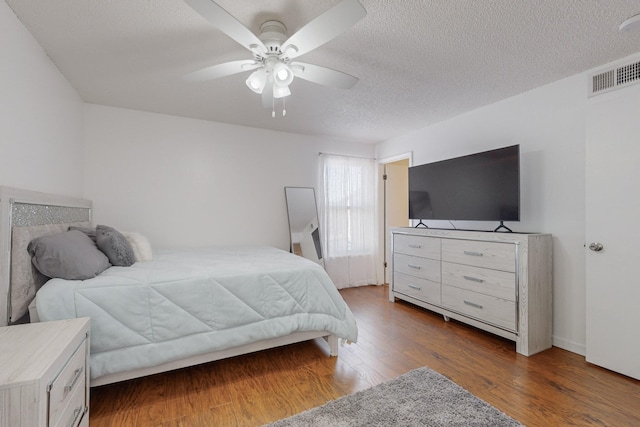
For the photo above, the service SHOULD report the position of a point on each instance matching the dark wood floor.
(552, 388)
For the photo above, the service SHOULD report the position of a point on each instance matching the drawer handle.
(415, 246)
(416, 267)
(74, 381)
(473, 279)
(76, 414)
(417, 288)
(473, 304)
(472, 253)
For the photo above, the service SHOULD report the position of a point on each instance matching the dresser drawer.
(427, 247)
(422, 289)
(496, 311)
(498, 256)
(69, 385)
(496, 283)
(423, 268)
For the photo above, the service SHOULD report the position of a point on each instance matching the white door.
(396, 203)
(613, 220)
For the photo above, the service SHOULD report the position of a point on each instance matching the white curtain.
(348, 218)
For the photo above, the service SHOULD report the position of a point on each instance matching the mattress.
(194, 301)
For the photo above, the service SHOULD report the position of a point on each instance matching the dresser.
(44, 374)
(498, 282)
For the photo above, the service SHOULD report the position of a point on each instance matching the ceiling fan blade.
(222, 70)
(325, 27)
(267, 96)
(227, 23)
(323, 75)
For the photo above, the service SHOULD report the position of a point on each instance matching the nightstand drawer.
(500, 284)
(426, 247)
(423, 268)
(495, 311)
(70, 384)
(498, 256)
(421, 289)
(74, 411)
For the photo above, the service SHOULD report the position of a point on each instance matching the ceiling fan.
(273, 51)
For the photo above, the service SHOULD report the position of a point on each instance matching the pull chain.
(284, 107)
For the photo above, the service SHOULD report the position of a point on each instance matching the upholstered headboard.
(26, 215)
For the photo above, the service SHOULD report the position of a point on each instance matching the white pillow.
(141, 247)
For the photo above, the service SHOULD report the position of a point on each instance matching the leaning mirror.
(304, 230)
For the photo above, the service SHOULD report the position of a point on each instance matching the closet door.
(613, 231)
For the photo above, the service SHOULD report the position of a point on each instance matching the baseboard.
(569, 345)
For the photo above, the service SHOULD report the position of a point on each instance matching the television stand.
(508, 230)
(421, 223)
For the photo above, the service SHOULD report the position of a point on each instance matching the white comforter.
(194, 301)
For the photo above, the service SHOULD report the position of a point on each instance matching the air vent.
(627, 74)
(614, 78)
(603, 81)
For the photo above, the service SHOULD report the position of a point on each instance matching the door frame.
(382, 204)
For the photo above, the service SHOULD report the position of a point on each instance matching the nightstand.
(44, 374)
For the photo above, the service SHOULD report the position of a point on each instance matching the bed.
(181, 308)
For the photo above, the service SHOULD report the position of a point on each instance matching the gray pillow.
(68, 255)
(115, 246)
(91, 232)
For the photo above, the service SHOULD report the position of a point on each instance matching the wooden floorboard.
(552, 388)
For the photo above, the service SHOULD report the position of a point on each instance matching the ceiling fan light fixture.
(282, 74)
(257, 80)
(273, 49)
(281, 91)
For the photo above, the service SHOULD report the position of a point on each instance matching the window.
(349, 214)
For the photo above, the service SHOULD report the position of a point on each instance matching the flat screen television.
(478, 187)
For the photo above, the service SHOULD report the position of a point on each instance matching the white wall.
(40, 116)
(186, 182)
(549, 125)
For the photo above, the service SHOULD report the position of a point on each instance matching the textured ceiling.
(419, 61)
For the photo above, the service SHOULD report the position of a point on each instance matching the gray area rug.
(421, 397)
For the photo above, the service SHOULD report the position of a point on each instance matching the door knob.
(596, 247)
